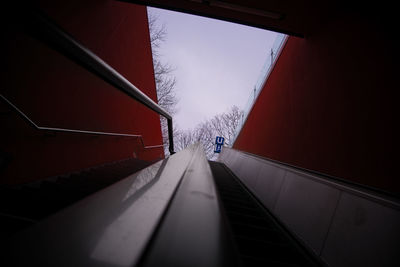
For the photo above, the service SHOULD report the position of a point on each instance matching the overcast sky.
(216, 63)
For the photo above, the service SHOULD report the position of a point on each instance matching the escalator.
(181, 211)
(260, 240)
(243, 232)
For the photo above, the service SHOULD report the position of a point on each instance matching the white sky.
(216, 63)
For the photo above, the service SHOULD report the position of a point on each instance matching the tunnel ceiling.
(298, 18)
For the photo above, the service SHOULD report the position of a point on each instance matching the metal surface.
(307, 208)
(345, 224)
(269, 184)
(170, 136)
(373, 194)
(42, 28)
(375, 230)
(52, 129)
(193, 231)
(250, 171)
(109, 228)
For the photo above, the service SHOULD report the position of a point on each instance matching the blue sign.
(219, 142)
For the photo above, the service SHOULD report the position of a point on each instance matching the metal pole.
(171, 137)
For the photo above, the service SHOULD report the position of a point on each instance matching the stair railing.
(65, 130)
(40, 27)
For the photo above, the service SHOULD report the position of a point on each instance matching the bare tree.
(158, 32)
(165, 81)
(224, 124)
(205, 135)
(184, 139)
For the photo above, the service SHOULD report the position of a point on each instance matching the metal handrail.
(118, 225)
(45, 30)
(54, 129)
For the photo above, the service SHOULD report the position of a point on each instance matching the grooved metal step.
(259, 239)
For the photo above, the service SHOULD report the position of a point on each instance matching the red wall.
(56, 92)
(329, 104)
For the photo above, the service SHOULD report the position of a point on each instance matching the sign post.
(219, 142)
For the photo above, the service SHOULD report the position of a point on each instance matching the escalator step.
(259, 239)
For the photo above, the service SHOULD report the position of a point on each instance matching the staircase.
(24, 205)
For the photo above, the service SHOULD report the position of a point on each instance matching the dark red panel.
(328, 105)
(55, 92)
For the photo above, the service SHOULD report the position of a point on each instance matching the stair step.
(40, 199)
